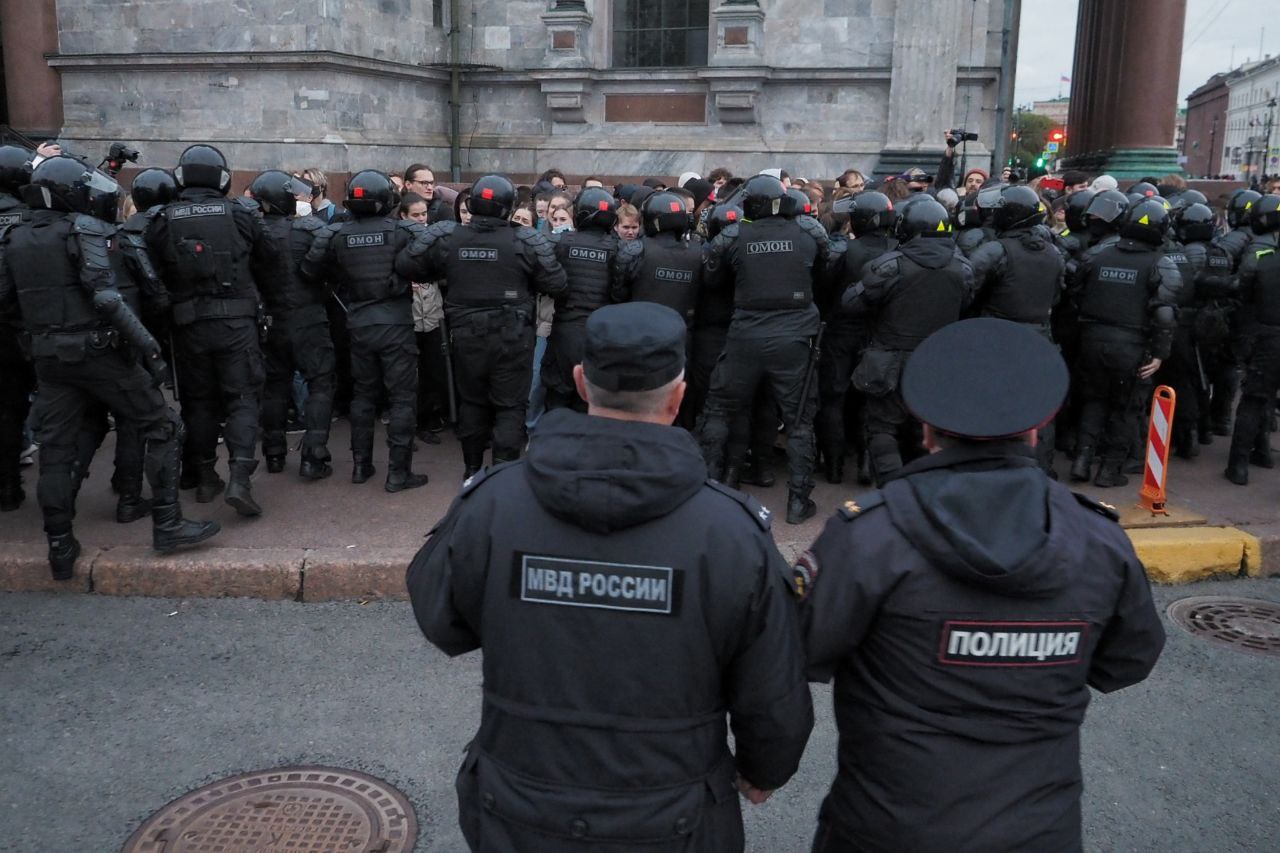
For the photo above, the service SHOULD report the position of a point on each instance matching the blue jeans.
(537, 393)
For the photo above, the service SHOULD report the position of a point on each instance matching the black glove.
(155, 365)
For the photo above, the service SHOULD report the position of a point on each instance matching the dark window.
(437, 13)
(660, 33)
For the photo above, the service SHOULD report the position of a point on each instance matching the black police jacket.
(662, 268)
(913, 291)
(626, 606)
(1019, 276)
(1129, 288)
(290, 297)
(586, 257)
(964, 611)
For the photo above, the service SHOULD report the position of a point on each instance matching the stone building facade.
(813, 86)
(1251, 141)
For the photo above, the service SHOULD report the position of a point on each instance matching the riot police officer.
(359, 259)
(1235, 241)
(1212, 316)
(663, 267)
(1126, 301)
(1020, 275)
(297, 331)
(586, 255)
(773, 263)
(963, 641)
(1258, 283)
(88, 345)
(871, 220)
(16, 377)
(625, 605)
(912, 292)
(492, 271)
(206, 247)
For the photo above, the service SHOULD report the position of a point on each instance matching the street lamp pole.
(1266, 152)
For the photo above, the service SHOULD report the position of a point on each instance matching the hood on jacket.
(604, 474)
(932, 253)
(984, 516)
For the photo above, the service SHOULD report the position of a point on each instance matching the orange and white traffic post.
(1152, 495)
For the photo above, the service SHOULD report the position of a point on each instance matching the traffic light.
(1039, 162)
(1056, 135)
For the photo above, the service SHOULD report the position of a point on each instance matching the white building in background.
(1251, 143)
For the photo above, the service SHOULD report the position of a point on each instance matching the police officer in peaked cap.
(628, 609)
(965, 609)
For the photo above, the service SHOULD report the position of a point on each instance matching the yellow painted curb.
(1185, 554)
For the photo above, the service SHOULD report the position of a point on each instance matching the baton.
(173, 368)
(815, 350)
(447, 352)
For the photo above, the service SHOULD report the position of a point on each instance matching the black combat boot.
(864, 469)
(1110, 474)
(799, 507)
(732, 476)
(170, 531)
(275, 463)
(400, 474)
(63, 551)
(1260, 455)
(472, 461)
(209, 485)
(756, 472)
(315, 464)
(362, 466)
(11, 494)
(239, 495)
(833, 466)
(1082, 465)
(131, 506)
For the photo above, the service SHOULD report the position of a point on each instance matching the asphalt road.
(109, 708)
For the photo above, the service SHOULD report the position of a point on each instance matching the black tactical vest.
(212, 257)
(1266, 289)
(483, 270)
(364, 252)
(587, 257)
(774, 269)
(670, 274)
(11, 210)
(1177, 253)
(1118, 290)
(1234, 243)
(1029, 286)
(284, 291)
(46, 276)
(923, 301)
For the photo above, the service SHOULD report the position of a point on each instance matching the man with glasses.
(419, 179)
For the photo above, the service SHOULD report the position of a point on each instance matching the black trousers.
(704, 352)
(384, 359)
(493, 369)
(1109, 394)
(342, 388)
(128, 475)
(1181, 372)
(17, 379)
(745, 365)
(220, 374)
(1257, 391)
(894, 436)
(308, 349)
(433, 377)
(564, 351)
(841, 349)
(69, 386)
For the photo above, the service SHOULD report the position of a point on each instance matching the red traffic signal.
(1056, 136)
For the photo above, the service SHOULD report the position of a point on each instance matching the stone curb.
(1172, 555)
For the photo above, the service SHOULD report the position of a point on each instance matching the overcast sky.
(1214, 29)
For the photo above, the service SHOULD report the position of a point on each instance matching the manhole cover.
(1247, 624)
(313, 809)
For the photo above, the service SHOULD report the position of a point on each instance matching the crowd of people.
(432, 306)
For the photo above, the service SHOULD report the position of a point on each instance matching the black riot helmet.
(1147, 221)
(800, 203)
(1195, 224)
(1264, 217)
(151, 187)
(492, 195)
(276, 192)
(369, 193)
(15, 168)
(1105, 211)
(763, 196)
(1017, 206)
(1144, 189)
(923, 217)
(1239, 206)
(203, 166)
(1077, 203)
(595, 210)
(722, 216)
(66, 184)
(1186, 198)
(872, 211)
(664, 213)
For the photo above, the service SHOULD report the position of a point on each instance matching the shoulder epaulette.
(1105, 510)
(758, 511)
(852, 508)
(470, 484)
